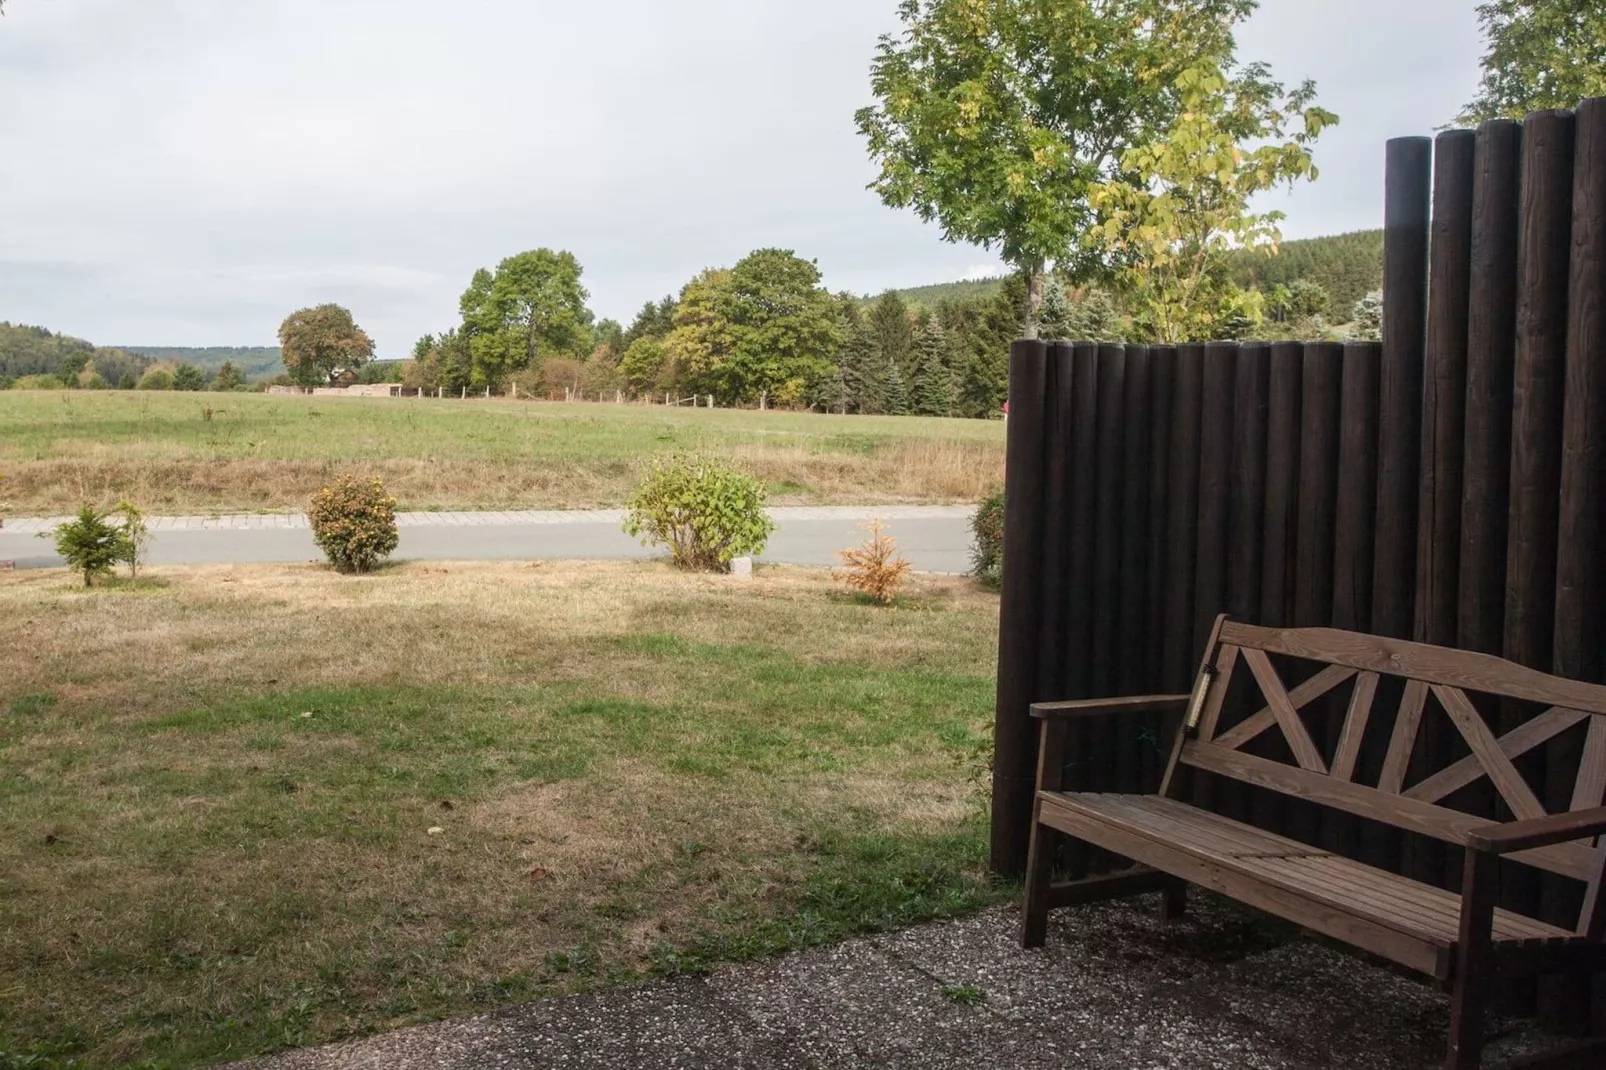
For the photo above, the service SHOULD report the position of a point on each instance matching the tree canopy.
(997, 120)
(1542, 54)
(319, 344)
(532, 307)
(783, 326)
(1184, 204)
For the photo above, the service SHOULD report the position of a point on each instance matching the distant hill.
(929, 296)
(28, 350)
(1348, 267)
(254, 362)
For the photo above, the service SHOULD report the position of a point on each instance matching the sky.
(187, 172)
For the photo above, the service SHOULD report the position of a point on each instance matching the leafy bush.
(705, 512)
(875, 567)
(89, 544)
(5, 382)
(987, 551)
(354, 522)
(156, 378)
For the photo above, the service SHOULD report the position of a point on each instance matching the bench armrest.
(1093, 707)
(1538, 832)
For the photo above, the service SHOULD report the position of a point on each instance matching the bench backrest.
(1436, 683)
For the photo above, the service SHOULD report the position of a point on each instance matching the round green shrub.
(354, 523)
(987, 551)
(156, 378)
(706, 513)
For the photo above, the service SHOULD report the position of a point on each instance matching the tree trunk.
(1034, 299)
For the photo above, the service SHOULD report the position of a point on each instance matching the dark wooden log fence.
(1447, 485)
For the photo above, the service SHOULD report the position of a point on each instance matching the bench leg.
(1479, 889)
(1466, 1023)
(1174, 903)
(1039, 875)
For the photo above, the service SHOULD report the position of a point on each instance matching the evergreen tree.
(1368, 317)
(897, 395)
(934, 381)
(895, 337)
(984, 375)
(1094, 318)
(1057, 320)
(188, 377)
(863, 379)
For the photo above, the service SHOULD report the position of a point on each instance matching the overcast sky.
(186, 172)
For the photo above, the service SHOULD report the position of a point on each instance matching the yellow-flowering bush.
(354, 522)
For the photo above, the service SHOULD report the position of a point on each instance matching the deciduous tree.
(997, 119)
(700, 343)
(1542, 54)
(228, 377)
(644, 365)
(319, 344)
(1183, 203)
(532, 307)
(784, 327)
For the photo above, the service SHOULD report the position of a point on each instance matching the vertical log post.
(1215, 488)
(1356, 500)
(1491, 351)
(1162, 383)
(1543, 264)
(1058, 611)
(1581, 559)
(1407, 194)
(1162, 380)
(1438, 571)
(1131, 767)
(1246, 511)
(1318, 507)
(1284, 429)
(1015, 747)
(1182, 520)
(1445, 402)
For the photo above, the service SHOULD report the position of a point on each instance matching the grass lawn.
(242, 452)
(217, 790)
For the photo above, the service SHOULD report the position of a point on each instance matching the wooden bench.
(1462, 940)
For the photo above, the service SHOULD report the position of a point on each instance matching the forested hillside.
(1347, 266)
(933, 295)
(26, 351)
(254, 362)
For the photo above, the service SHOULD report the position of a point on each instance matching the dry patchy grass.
(634, 769)
(203, 452)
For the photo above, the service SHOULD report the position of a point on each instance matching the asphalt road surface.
(933, 538)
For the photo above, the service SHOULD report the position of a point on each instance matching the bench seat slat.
(1426, 915)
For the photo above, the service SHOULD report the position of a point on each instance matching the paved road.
(933, 538)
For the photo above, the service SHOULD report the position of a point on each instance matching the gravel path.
(1115, 989)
